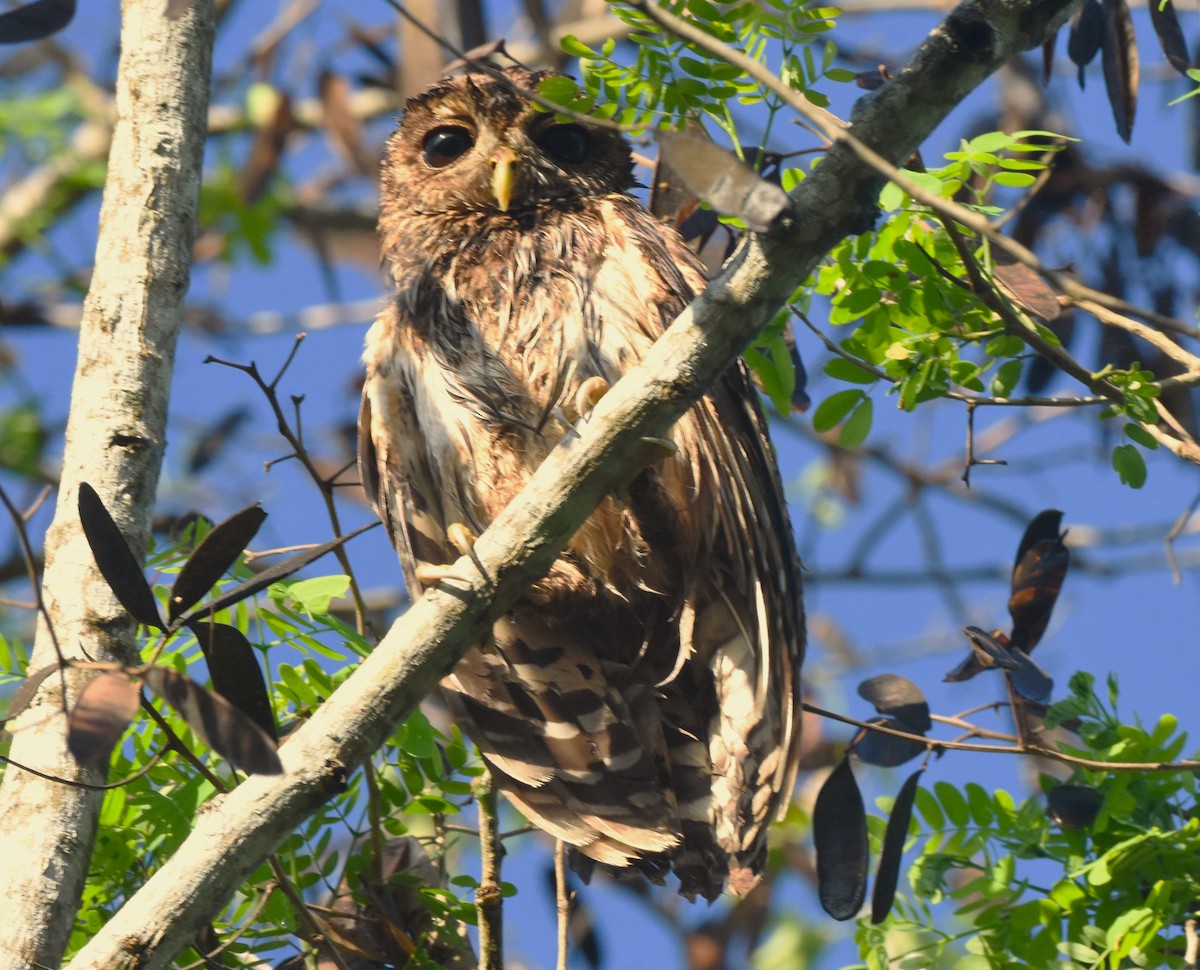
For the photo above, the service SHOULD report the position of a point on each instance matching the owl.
(642, 702)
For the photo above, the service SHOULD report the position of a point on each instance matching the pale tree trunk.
(116, 432)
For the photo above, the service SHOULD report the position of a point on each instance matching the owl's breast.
(494, 343)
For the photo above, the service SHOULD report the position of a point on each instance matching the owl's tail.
(635, 775)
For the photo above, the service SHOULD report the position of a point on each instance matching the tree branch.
(836, 199)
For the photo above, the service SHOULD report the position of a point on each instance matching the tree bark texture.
(838, 198)
(116, 432)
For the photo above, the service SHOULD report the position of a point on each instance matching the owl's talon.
(461, 537)
(431, 573)
(663, 448)
(589, 394)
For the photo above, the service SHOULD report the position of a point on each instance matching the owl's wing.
(392, 464)
(742, 616)
(749, 625)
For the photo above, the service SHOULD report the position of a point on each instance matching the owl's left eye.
(568, 144)
(446, 144)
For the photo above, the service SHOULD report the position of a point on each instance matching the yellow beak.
(503, 177)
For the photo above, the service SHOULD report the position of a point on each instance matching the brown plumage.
(642, 703)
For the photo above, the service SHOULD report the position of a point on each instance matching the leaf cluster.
(415, 783)
(1028, 889)
(671, 82)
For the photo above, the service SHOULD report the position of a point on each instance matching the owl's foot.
(463, 541)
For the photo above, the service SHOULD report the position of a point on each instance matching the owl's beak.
(503, 177)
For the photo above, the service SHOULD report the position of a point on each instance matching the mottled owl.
(642, 701)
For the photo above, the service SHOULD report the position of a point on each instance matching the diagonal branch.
(836, 199)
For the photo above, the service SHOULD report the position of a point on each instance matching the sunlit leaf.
(216, 553)
(1073, 806)
(116, 562)
(35, 21)
(840, 837)
(897, 697)
(235, 672)
(215, 721)
(1129, 465)
(892, 853)
(104, 709)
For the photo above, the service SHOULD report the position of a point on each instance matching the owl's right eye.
(446, 144)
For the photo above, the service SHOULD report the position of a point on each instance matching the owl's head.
(471, 144)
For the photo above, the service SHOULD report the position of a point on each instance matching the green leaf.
(929, 809)
(860, 299)
(953, 803)
(856, 428)
(1015, 180)
(1006, 377)
(1079, 953)
(1143, 437)
(791, 177)
(559, 89)
(700, 69)
(846, 370)
(1023, 165)
(992, 141)
(418, 736)
(314, 595)
(575, 47)
(704, 10)
(22, 439)
(834, 408)
(1129, 465)
(1004, 346)
(980, 804)
(892, 197)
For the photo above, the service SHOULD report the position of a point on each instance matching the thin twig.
(489, 901)
(19, 523)
(1019, 749)
(251, 918)
(294, 439)
(562, 901)
(154, 759)
(1176, 531)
